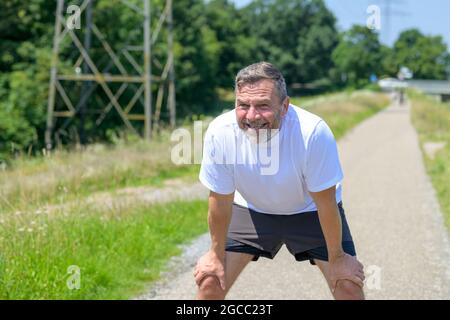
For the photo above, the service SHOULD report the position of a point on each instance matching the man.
(253, 210)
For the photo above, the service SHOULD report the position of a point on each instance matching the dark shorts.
(263, 235)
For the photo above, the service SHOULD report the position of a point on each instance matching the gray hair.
(259, 71)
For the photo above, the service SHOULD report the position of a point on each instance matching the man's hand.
(210, 264)
(219, 216)
(346, 267)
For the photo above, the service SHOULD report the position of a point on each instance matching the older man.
(274, 177)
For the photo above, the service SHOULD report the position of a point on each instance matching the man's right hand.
(210, 264)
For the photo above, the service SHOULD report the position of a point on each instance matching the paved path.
(393, 214)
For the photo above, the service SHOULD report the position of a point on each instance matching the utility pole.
(172, 106)
(86, 84)
(53, 74)
(147, 70)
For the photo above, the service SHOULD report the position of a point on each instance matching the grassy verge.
(117, 251)
(343, 111)
(432, 121)
(64, 176)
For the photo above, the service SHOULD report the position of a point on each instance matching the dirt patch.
(431, 148)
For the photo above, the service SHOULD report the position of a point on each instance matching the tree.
(196, 58)
(23, 21)
(357, 56)
(25, 32)
(297, 36)
(234, 41)
(426, 56)
(316, 45)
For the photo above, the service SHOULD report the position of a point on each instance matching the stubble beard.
(263, 135)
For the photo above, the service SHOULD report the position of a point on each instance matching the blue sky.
(432, 17)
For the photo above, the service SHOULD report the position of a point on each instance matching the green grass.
(432, 121)
(118, 252)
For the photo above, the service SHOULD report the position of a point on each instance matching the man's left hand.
(346, 267)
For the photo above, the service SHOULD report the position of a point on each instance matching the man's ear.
(285, 106)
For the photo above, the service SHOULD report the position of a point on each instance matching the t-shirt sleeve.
(215, 173)
(323, 169)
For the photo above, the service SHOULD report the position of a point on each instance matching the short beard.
(264, 135)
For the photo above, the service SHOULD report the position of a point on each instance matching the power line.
(389, 13)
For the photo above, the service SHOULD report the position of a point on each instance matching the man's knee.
(210, 288)
(346, 289)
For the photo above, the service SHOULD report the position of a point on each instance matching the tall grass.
(432, 121)
(62, 175)
(342, 111)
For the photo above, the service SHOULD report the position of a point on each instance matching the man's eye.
(243, 106)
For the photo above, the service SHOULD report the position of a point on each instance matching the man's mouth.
(256, 126)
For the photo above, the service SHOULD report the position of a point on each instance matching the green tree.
(426, 56)
(298, 36)
(23, 21)
(196, 58)
(357, 56)
(25, 34)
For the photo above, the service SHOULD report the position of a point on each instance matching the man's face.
(259, 107)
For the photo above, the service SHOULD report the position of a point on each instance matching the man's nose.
(253, 114)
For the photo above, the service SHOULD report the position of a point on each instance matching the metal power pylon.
(87, 72)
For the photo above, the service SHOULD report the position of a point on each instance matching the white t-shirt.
(272, 177)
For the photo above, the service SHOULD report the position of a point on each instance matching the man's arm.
(219, 216)
(330, 221)
(342, 265)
